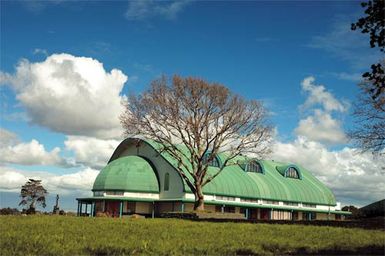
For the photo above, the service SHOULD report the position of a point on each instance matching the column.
(120, 209)
(247, 213)
(86, 208)
(223, 209)
(182, 207)
(81, 208)
(78, 213)
(271, 214)
(153, 210)
(92, 209)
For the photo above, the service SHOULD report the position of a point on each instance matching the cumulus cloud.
(26, 153)
(321, 125)
(69, 94)
(145, 9)
(353, 177)
(12, 179)
(317, 95)
(91, 152)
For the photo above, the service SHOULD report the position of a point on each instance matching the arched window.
(166, 181)
(213, 162)
(291, 172)
(253, 166)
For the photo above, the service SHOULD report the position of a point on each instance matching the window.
(246, 200)
(253, 166)
(98, 193)
(115, 193)
(229, 209)
(225, 198)
(269, 202)
(291, 172)
(166, 181)
(213, 162)
(290, 203)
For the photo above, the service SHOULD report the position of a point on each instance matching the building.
(376, 209)
(141, 179)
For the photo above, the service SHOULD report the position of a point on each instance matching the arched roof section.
(282, 169)
(129, 173)
(234, 181)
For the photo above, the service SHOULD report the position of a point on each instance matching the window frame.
(166, 184)
(215, 159)
(289, 170)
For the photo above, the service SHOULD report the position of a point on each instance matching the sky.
(65, 67)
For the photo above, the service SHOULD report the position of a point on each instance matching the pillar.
(223, 209)
(86, 208)
(247, 213)
(271, 214)
(120, 209)
(78, 211)
(182, 207)
(81, 208)
(153, 210)
(92, 209)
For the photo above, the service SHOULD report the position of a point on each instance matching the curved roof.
(129, 173)
(271, 185)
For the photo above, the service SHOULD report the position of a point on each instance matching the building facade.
(141, 179)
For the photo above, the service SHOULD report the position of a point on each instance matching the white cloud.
(319, 96)
(40, 51)
(343, 43)
(353, 177)
(31, 153)
(321, 127)
(145, 9)
(353, 77)
(91, 152)
(69, 94)
(12, 179)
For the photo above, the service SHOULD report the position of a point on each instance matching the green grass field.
(59, 235)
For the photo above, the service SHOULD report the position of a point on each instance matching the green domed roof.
(129, 173)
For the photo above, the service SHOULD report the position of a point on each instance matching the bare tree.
(369, 112)
(205, 118)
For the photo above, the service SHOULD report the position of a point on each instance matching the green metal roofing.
(129, 173)
(272, 185)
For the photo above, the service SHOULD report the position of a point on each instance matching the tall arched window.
(213, 162)
(166, 181)
(253, 166)
(291, 172)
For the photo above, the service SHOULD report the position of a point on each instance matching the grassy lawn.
(59, 235)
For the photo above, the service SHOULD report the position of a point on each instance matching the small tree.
(32, 193)
(206, 118)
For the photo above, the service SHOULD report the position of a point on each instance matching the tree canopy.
(374, 24)
(205, 118)
(33, 193)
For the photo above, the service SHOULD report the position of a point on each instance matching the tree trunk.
(199, 204)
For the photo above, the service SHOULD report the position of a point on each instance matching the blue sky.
(300, 58)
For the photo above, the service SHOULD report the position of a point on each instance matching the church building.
(141, 179)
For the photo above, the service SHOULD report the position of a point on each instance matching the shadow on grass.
(368, 250)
